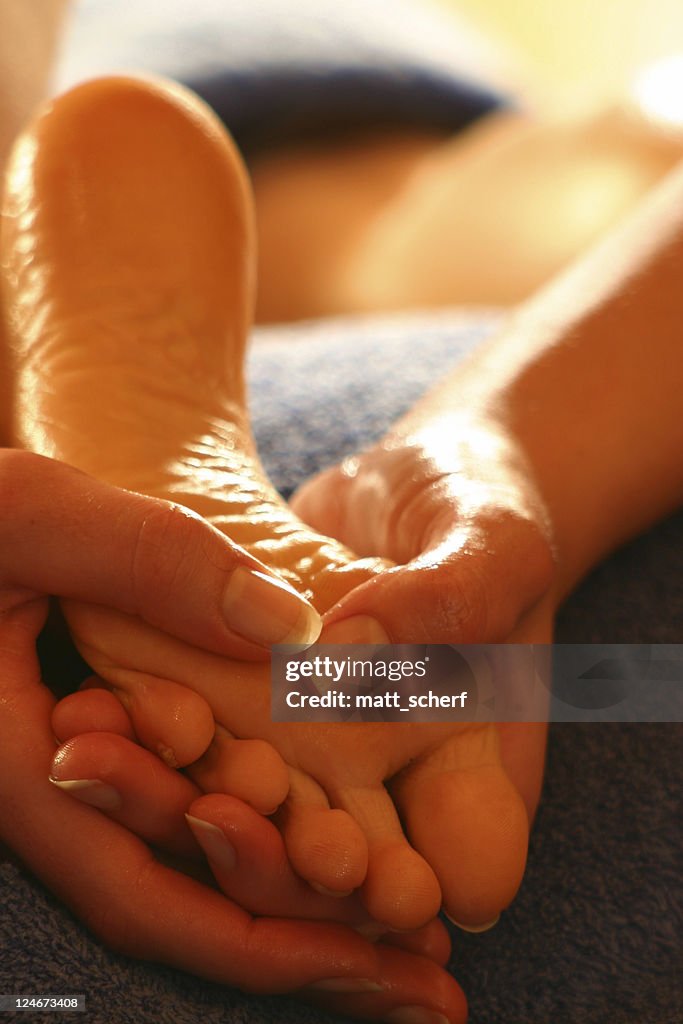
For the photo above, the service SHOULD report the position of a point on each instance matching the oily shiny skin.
(127, 242)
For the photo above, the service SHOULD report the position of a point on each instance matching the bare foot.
(129, 241)
(99, 763)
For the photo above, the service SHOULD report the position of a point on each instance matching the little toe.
(251, 770)
(400, 889)
(325, 846)
(465, 816)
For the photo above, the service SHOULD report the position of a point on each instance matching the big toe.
(466, 818)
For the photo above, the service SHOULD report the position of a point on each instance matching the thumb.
(66, 534)
(457, 590)
(466, 575)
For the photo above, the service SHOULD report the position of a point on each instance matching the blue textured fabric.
(279, 71)
(595, 935)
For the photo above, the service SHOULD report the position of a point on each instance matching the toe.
(325, 846)
(250, 770)
(169, 719)
(400, 889)
(465, 816)
(248, 857)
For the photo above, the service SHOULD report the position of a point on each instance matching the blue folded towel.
(594, 936)
(285, 70)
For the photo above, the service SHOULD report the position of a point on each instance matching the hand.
(49, 544)
(454, 505)
(100, 764)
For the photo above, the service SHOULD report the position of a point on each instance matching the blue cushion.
(276, 70)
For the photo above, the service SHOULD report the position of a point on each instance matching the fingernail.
(346, 985)
(90, 791)
(415, 1015)
(266, 611)
(213, 842)
(359, 629)
(475, 929)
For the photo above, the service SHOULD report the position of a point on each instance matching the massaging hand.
(245, 850)
(449, 500)
(63, 533)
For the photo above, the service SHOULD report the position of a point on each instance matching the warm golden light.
(658, 91)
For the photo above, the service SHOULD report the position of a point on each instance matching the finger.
(170, 720)
(145, 910)
(108, 877)
(94, 709)
(414, 991)
(133, 787)
(323, 502)
(472, 554)
(248, 857)
(130, 785)
(249, 860)
(67, 534)
(432, 941)
(456, 590)
(245, 850)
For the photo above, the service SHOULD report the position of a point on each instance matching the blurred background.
(579, 50)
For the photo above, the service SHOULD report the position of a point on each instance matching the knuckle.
(462, 602)
(111, 924)
(167, 546)
(17, 468)
(452, 603)
(28, 484)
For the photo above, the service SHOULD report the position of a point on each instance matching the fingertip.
(355, 629)
(265, 610)
(93, 709)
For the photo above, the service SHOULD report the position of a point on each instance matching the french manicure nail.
(414, 1015)
(267, 611)
(358, 629)
(90, 791)
(346, 985)
(213, 842)
(475, 929)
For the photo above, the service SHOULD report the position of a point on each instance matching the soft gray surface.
(595, 934)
